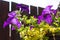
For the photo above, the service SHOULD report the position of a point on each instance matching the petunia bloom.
(48, 19)
(12, 14)
(31, 27)
(47, 10)
(54, 11)
(12, 20)
(46, 15)
(23, 7)
(40, 18)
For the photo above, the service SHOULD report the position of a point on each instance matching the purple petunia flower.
(13, 28)
(48, 19)
(46, 15)
(31, 27)
(47, 10)
(12, 14)
(23, 7)
(40, 18)
(54, 11)
(12, 20)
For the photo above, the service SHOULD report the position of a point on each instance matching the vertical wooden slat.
(40, 10)
(14, 34)
(13, 8)
(4, 9)
(33, 10)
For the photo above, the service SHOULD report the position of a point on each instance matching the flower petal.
(54, 11)
(40, 18)
(31, 27)
(7, 22)
(23, 7)
(12, 14)
(48, 19)
(13, 28)
(16, 22)
(47, 10)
